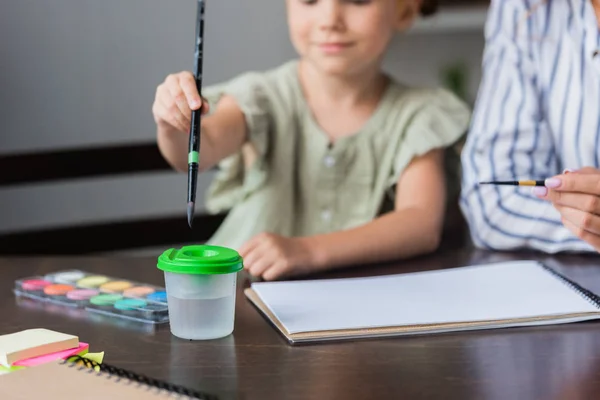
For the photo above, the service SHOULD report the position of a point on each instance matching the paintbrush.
(515, 183)
(194, 144)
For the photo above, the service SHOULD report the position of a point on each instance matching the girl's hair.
(429, 7)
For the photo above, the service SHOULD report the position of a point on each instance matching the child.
(346, 164)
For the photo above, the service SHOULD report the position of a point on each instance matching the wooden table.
(553, 362)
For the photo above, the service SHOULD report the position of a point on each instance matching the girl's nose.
(331, 15)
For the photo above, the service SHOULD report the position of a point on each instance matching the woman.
(537, 115)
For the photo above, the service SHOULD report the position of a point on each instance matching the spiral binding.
(587, 294)
(129, 377)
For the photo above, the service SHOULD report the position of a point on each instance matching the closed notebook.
(499, 295)
(68, 380)
(33, 343)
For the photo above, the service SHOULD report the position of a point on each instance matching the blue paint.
(158, 296)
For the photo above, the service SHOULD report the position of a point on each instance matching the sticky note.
(96, 357)
(33, 343)
(60, 355)
(7, 370)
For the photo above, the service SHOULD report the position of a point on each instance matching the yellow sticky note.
(33, 343)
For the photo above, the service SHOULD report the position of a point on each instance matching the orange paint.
(58, 289)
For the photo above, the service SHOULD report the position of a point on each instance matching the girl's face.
(343, 37)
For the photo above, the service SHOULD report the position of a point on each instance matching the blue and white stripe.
(537, 113)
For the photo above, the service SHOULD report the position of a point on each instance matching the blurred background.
(79, 167)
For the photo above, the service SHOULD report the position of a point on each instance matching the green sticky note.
(96, 357)
(7, 370)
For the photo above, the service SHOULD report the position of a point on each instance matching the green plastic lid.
(200, 260)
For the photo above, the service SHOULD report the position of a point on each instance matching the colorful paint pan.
(82, 294)
(68, 277)
(105, 299)
(115, 286)
(93, 281)
(116, 297)
(158, 296)
(35, 284)
(58, 289)
(130, 304)
(139, 291)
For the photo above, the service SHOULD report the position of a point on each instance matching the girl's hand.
(272, 257)
(576, 196)
(175, 99)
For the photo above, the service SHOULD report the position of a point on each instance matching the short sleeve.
(440, 121)
(250, 93)
(232, 182)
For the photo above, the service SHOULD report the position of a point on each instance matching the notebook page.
(475, 293)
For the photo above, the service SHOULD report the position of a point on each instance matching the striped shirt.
(537, 113)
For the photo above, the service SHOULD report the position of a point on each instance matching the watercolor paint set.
(100, 294)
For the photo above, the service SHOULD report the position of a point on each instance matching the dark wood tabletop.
(255, 362)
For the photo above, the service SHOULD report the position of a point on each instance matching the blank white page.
(475, 293)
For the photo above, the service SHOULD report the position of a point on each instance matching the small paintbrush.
(515, 183)
(194, 144)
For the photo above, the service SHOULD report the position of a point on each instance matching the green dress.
(300, 185)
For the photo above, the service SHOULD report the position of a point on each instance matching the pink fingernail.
(539, 191)
(553, 183)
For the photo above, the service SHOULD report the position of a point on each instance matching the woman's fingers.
(592, 239)
(584, 221)
(576, 182)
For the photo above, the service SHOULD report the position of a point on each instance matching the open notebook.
(489, 296)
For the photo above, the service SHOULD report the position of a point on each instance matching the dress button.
(326, 215)
(329, 161)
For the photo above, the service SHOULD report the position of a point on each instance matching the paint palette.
(98, 294)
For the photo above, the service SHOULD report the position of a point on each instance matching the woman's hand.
(576, 195)
(272, 257)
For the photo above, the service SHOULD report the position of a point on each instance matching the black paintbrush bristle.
(506, 183)
(190, 213)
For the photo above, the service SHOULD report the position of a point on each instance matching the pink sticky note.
(60, 355)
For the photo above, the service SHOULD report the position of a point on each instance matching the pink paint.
(60, 355)
(82, 294)
(35, 284)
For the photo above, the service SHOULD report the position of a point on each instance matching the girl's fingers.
(177, 99)
(187, 83)
(171, 116)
